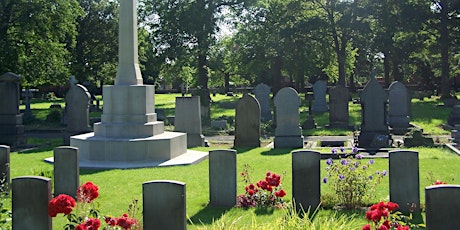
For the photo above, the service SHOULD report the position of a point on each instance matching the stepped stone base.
(129, 151)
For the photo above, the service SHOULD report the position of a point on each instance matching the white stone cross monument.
(129, 135)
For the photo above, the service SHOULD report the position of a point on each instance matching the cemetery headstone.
(309, 123)
(374, 132)
(66, 171)
(5, 168)
(11, 126)
(405, 182)
(306, 188)
(187, 119)
(454, 116)
(30, 197)
(247, 122)
(398, 107)
(76, 111)
(338, 104)
(442, 204)
(288, 133)
(319, 92)
(455, 134)
(164, 205)
(262, 93)
(222, 178)
(27, 94)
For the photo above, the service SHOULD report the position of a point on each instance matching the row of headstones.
(164, 201)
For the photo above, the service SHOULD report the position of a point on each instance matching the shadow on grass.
(276, 152)
(208, 215)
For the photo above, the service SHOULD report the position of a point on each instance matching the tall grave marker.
(338, 104)
(77, 101)
(129, 135)
(11, 127)
(247, 122)
(319, 92)
(374, 131)
(288, 133)
(187, 119)
(262, 93)
(398, 107)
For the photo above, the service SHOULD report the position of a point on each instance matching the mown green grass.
(119, 187)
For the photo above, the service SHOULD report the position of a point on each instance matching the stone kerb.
(66, 171)
(442, 203)
(247, 122)
(405, 181)
(30, 198)
(222, 178)
(164, 205)
(5, 167)
(306, 188)
(288, 133)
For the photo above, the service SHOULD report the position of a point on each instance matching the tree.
(35, 39)
(96, 52)
(187, 28)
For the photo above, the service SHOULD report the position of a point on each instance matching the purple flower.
(371, 161)
(384, 172)
(334, 151)
(329, 161)
(325, 180)
(364, 167)
(370, 177)
(341, 177)
(359, 156)
(354, 149)
(343, 162)
(342, 149)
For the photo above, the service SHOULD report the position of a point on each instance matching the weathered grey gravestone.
(76, 111)
(319, 92)
(5, 168)
(187, 119)
(11, 127)
(338, 104)
(164, 205)
(30, 202)
(374, 132)
(247, 122)
(405, 181)
(288, 133)
(306, 188)
(262, 93)
(222, 178)
(442, 203)
(66, 171)
(454, 116)
(398, 108)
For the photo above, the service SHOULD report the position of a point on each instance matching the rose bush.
(88, 218)
(267, 192)
(383, 216)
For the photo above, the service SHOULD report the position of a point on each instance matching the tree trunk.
(444, 46)
(341, 59)
(227, 82)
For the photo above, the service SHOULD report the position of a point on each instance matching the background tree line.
(277, 42)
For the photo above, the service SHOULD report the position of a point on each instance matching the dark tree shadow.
(276, 152)
(208, 215)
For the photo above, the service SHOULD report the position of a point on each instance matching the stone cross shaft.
(128, 72)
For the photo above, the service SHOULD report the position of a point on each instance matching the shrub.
(351, 181)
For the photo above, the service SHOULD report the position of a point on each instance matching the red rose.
(87, 192)
(366, 227)
(280, 193)
(383, 227)
(392, 206)
(387, 224)
(251, 192)
(403, 228)
(61, 204)
(110, 221)
(125, 222)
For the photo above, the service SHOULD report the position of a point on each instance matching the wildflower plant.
(83, 214)
(384, 216)
(267, 192)
(351, 178)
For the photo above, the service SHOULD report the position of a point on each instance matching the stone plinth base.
(293, 142)
(195, 139)
(368, 139)
(126, 151)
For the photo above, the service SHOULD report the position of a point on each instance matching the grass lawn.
(119, 187)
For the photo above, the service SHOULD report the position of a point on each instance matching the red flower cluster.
(280, 193)
(87, 192)
(124, 221)
(267, 192)
(382, 210)
(438, 182)
(61, 204)
(90, 224)
(251, 189)
(271, 180)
